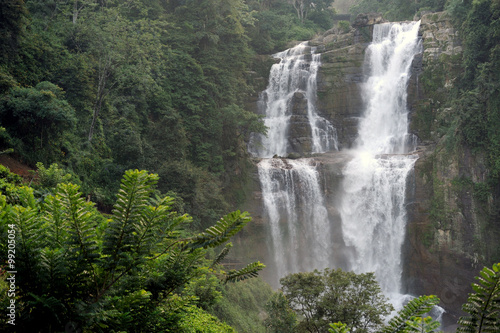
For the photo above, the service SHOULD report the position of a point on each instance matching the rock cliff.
(451, 233)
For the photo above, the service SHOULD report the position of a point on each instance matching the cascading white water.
(324, 135)
(298, 218)
(294, 204)
(296, 71)
(373, 208)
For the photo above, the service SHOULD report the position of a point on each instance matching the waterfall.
(371, 204)
(298, 219)
(372, 207)
(293, 200)
(295, 73)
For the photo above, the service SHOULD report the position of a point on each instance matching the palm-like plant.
(102, 272)
(483, 306)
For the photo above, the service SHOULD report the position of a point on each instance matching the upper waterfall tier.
(289, 106)
(384, 126)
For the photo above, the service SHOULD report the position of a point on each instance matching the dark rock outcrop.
(368, 19)
(450, 237)
(300, 129)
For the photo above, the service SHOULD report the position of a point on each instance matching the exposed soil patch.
(17, 167)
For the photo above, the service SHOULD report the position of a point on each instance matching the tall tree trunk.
(104, 67)
(75, 11)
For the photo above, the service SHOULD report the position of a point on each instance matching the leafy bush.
(334, 295)
(124, 272)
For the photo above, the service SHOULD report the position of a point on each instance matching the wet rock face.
(300, 128)
(339, 80)
(368, 19)
(449, 236)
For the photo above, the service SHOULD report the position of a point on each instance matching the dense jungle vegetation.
(104, 86)
(100, 87)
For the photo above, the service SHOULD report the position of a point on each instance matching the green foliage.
(407, 318)
(335, 295)
(9, 185)
(40, 119)
(421, 324)
(221, 255)
(136, 270)
(12, 20)
(52, 176)
(243, 304)
(281, 318)
(196, 320)
(8, 176)
(483, 306)
(222, 231)
(397, 10)
(338, 328)
(344, 25)
(141, 84)
(199, 189)
(247, 272)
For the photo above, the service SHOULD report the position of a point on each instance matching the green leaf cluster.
(133, 270)
(335, 295)
(483, 306)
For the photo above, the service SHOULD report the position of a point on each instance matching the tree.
(126, 272)
(125, 53)
(303, 7)
(281, 318)
(12, 21)
(39, 118)
(408, 320)
(335, 295)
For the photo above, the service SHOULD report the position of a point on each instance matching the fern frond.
(54, 222)
(30, 240)
(128, 212)
(483, 306)
(159, 223)
(250, 271)
(420, 324)
(79, 218)
(221, 255)
(31, 234)
(222, 231)
(416, 307)
(53, 269)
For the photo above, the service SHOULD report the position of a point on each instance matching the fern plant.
(422, 325)
(249, 271)
(112, 273)
(221, 255)
(415, 308)
(222, 231)
(483, 306)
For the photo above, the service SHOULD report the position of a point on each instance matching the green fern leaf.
(221, 255)
(250, 271)
(78, 216)
(416, 307)
(222, 231)
(128, 213)
(483, 306)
